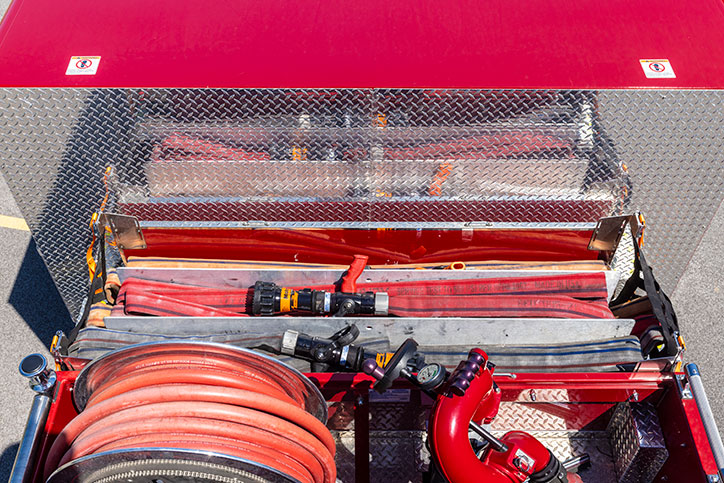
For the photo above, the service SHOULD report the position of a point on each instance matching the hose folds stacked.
(199, 397)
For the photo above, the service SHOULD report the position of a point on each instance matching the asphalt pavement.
(31, 310)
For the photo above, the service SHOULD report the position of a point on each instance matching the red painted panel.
(581, 387)
(690, 455)
(61, 412)
(698, 434)
(685, 440)
(374, 43)
(382, 246)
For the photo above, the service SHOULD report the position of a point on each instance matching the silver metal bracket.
(126, 230)
(637, 226)
(713, 479)
(607, 234)
(479, 224)
(255, 223)
(682, 384)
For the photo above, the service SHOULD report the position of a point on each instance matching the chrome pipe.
(42, 381)
(25, 459)
(576, 462)
(707, 417)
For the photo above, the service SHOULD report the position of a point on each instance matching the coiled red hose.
(206, 401)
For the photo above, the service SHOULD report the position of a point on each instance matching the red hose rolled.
(180, 375)
(203, 360)
(560, 296)
(204, 400)
(496, 306)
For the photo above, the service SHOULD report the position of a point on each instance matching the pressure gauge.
(431, 376)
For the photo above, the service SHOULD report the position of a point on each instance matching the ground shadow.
(36, 299)
(6, 461)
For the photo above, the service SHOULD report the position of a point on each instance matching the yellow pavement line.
(13, 222)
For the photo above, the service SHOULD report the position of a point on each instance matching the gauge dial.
(431, 376)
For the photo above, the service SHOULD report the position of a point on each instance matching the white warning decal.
(83, 65)
(657, 68)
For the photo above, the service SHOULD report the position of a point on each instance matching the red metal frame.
(690, 453)
(61, 412)
(701, 443)
(581, 387)
(504, 44)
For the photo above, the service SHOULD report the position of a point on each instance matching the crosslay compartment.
(530, 343)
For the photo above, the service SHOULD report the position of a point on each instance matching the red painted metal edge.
(372, 44)
(384, 246)
(699, 434)
(62, 410)
(580, 387)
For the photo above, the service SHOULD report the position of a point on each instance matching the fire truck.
(365, 241)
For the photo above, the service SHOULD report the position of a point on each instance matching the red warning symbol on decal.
(657, 68)
(84, 64)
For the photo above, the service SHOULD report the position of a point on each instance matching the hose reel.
(190, 408)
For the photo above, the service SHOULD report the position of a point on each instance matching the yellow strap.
(642, 223)
(89, 253)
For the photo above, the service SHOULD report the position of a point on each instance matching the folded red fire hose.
(580, 295)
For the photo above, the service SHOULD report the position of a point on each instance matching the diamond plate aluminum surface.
(527, 417)
(362, 155)
(409, 416)
(402, 455)
(623, 260)
(638, 445)
(394, 456)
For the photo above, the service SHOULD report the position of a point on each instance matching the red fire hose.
(580, 295)
(204, 400)
(495, 306)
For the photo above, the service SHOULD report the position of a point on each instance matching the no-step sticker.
(657, 68)
(83, 65)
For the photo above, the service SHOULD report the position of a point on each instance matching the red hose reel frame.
(201, 397)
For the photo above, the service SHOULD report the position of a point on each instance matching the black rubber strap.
(95, 293)
(628, 292)
(554, 472)
(661, 305)
(643, 278)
